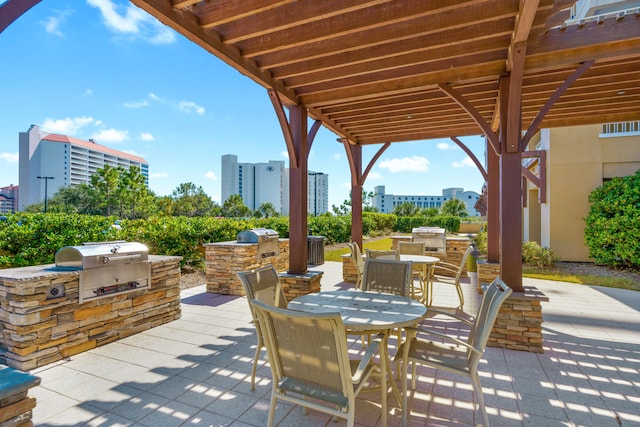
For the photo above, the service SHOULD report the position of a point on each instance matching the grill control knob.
(105, 259)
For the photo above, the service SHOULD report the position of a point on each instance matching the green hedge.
(32, 239)
(612, 230)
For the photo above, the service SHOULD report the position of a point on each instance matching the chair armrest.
(447, 267)
(446, 264)
(446, 313)
(367, 358)
(445, 337)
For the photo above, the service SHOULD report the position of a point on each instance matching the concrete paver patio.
(196, 371)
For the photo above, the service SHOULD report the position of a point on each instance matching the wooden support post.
(298, 232)
(493, 206)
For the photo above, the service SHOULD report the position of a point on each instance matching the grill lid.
(429, 230)
(98, 254)
(257, 235)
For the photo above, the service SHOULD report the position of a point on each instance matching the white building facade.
(259, 183)
(386, 203)
(52, 161)
(9, 199)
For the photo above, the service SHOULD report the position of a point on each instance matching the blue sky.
(106, 70)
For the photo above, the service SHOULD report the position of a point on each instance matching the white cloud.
(211, 175)
(10, 157)
(285, 154)
(137, 104)
(191, 107)
(159, 175)
(132, 22)
(446, 146)
(111, 135)
(69, 126)
(146, 136)
(406, 164)
(52, 23)
(88, 92)
(464, 163)
(347, 185)
(337, 156)
(155, 97)
(376, 176)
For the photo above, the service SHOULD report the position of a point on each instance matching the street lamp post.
(46, 180)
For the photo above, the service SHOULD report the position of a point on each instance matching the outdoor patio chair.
(453, 354)
(381, 275)
(310, 364)
(420, 271)
(388, 276)
(455, 271)
(375, 253)
(262, 284)
(356, 256)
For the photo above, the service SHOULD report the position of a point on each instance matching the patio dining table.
(367, 311)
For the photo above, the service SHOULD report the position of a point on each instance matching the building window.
(611, 130)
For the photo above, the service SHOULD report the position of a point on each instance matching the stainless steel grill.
(107, 268)
(435, 238)
(266, 238)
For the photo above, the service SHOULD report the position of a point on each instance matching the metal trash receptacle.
(315, 247)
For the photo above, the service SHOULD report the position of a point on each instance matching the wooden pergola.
(383, 72)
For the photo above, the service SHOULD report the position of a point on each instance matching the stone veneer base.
(224, 259)
(35, 331)
(295, 285)
(519, 322)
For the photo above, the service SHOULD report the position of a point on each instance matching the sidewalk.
(196, 371)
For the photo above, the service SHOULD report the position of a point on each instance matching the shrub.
(612, 230)
(34, 238)
(537, 256)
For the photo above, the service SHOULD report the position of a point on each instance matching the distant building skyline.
(52, 161)
(259, 183)
(386, 203)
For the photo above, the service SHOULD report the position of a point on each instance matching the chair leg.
(460, 295)
(272, 408)
(255, 364)
(477, 391)
(405, 405)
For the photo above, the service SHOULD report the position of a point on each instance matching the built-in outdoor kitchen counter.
(42, 319)
(252, 249)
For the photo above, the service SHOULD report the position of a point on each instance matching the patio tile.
(171, 414)
(206, 418)
(196, 371)
(137, 407)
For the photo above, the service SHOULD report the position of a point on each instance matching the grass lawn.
(553, 274)
(336, 254)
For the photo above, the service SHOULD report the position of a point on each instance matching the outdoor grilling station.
(94, 294)
(252, 249)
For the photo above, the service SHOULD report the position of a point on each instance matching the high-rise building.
(386, 203)
(51, 161)
(260, 183)
(9, 199)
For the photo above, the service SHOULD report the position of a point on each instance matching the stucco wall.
(577, 162)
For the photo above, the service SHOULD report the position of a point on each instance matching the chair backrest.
(494, 296)
(463, 262)
(263, 284)
(375, 253)
(308, 350)
(411, 248)
(356, 255)
(393, 277)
